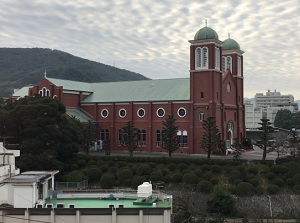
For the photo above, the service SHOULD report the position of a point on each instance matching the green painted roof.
(138, 91)
(104, 203)
(230, 44)
(80, 115)
(206, 33)
(71, 85)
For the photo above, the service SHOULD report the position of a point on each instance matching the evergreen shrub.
(270, 175)
(279, 182)
(190, 178)
(137, 180)
(124, 174)
(94, 174)
(273, 189)
(216, 168)
(157, 176)
(143, 169)
(245, 189)
(177, 178)
(253, 170)
(205, 186)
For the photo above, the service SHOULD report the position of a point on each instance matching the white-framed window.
(217, 58)
(184, 139)
(227, 63)
(44, 92)
(141, 112)
(179, 138)
(144, 137)
(201, 55)
(181, 112)
(104, 113)
(122, 113)
(160, 112)
(239, 60)
(201, 116)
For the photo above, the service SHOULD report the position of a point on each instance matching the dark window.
(102, 134)
(158, 138)
(106, 134)
(202, 94)
(160, 112)
(139, 141)
(144, 137)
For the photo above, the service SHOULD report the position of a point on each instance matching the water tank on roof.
(144, 190)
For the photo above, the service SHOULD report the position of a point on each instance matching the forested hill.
(24, 66)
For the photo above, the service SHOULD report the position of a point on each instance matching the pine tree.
(211, 137)
(266, 136)
(130, 135)
(169, 135)
(237, 149)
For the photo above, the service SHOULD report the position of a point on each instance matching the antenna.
(205, 22)
(45, 73)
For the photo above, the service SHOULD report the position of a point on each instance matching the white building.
(31, 196)
(267, 106)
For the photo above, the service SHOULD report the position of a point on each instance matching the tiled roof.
(80, 115)
(138, 91)
(71, 85)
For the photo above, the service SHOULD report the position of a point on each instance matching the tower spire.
(45, 73)
(205, 22)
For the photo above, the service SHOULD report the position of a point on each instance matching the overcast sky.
(151, 36)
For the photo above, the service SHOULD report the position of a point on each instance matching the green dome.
(206, 33)
(230, 44)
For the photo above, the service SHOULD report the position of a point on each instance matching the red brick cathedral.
(214, 88)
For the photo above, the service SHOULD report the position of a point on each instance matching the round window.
(141, 112)
(122, 113)
(104, 113)
(160, 112)
(181, 112)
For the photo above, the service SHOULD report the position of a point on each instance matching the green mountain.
(24, 66)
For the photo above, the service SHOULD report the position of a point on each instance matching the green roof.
(80, 115)
(138, 91)
(71, 85)
(104, 203)
(206, 33)
(230, 44)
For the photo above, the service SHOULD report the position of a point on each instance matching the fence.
(71, 185)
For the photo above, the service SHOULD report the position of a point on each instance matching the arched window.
(121, 137)
(158, 138)
(226, 63)
(184, 139)
(239, 67)
(102, 134)
(201, 58)
(144, 137)
(107, 134)
(179, 138)
(217, 58)
(139, 141)
(201, 116)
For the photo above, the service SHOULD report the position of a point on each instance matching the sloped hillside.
(24, 66)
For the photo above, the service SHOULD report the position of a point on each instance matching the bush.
(76, 176)
(104, 168)
(205, 186)
(273, 189)
(205, 167)
(198, 172)
(177, 178)
(182, 166)
(92, 162)
(157, 176)
(254, 181)
(270, 176)
(112, 169)
(81, 163)
(172, 166)
(234, 174)
(221, 203)
(107, 181)
(259, 190)
(253, 170)
(190, 178)
(245, 189)
(296, 179)
(216, 168)
(214, 180)
(290, 182)
(124, 174)
(279, 169)
(279, 182)
(94, 174)
(137, 180)
(208, 175)
(143, 169)
(74, 167)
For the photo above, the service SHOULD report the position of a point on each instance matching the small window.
(201, 116)
(181, 112)
(49, 206)
(60, 205)
(160, 112)
(122, 113)
(102, 134)
(71, 205)
(217, 58)
(179, 138)
(158, 138)
(239, 66)
(144, 137)
(141, 112)
(201, 94)
(184, 139)
(104, 113)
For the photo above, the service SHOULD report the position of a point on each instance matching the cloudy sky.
(151, 36)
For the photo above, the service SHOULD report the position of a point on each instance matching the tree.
(211, 136)
(106, 146)
(130, 137)
(266, 137)
(237, 149)
(280, 147)
(283, 119)
(169, 135)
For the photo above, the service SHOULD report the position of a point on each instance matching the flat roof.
(105, 203)
(30, 177)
